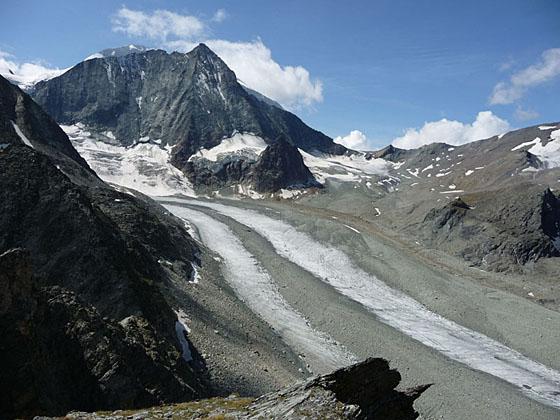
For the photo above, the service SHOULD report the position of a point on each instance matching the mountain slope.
(188, 101)
(93, 265)
(493, 202)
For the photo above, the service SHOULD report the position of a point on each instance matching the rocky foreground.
(363, 391)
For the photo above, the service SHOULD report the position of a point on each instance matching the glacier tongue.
(257, 289)
(144, 166)
(398, 310)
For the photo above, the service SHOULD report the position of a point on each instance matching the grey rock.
(188, 101)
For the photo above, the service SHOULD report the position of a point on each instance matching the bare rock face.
(280, 166)
(500, 230)
(84, 323)
(365, 390)
(188, 101)
(58, 353)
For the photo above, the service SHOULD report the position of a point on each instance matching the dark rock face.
(279, 166)
(391, 153)
(58, 353)
(188, 100)
(500, 229)
(448, 216)
(40, 129)
(84, 323)
(208, 174)
(365, 390)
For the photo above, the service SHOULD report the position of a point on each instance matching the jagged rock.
(366, 390)
(16, 107)
(448, 216)
(500, 229)
(280, 166)
(58, 353)
(391, 153)
(90, 328)
(188, 100)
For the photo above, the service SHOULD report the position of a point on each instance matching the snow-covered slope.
(144, 166)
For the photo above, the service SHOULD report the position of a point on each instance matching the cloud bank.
(25, 74)
(160, 24)
(355, 140)
(545, 70)
(485, 125)
(291, 86)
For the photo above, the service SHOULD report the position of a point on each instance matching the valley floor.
(310, 294)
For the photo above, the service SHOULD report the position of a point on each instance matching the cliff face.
(281, 165)
(188, 100)
(499, 229)
(84, 323)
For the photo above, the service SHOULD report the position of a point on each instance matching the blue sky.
(379, 67)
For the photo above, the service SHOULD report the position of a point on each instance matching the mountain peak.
(202, 51)
(202, 48)
(119, 51)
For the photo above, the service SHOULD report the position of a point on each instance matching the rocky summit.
(187, 101)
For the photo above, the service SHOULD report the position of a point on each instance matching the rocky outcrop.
(281, 166)
(366, 390)
(499, 230)
(59, 353)
(448, 216)
(363, 391)
(19, 112)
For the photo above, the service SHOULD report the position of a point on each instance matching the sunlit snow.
(144, 167)
(256, 288)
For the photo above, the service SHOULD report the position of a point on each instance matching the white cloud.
(485, 125)
(525, 114)
(252, 62)
(160, 24)
(355, 140)
(547, 69)
(219, 16)
(25, 74)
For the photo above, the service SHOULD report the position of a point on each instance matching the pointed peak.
(203, 50)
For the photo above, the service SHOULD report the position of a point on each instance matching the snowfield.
(144, 166)
(344, 168)
(393, 307)
(244, 144)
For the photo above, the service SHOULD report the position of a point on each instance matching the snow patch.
(239, 143)
(22, 136)
(182, 330)
(93, 56)
(527, 143)
(549, 154)
(345, 168)
(352, 229)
